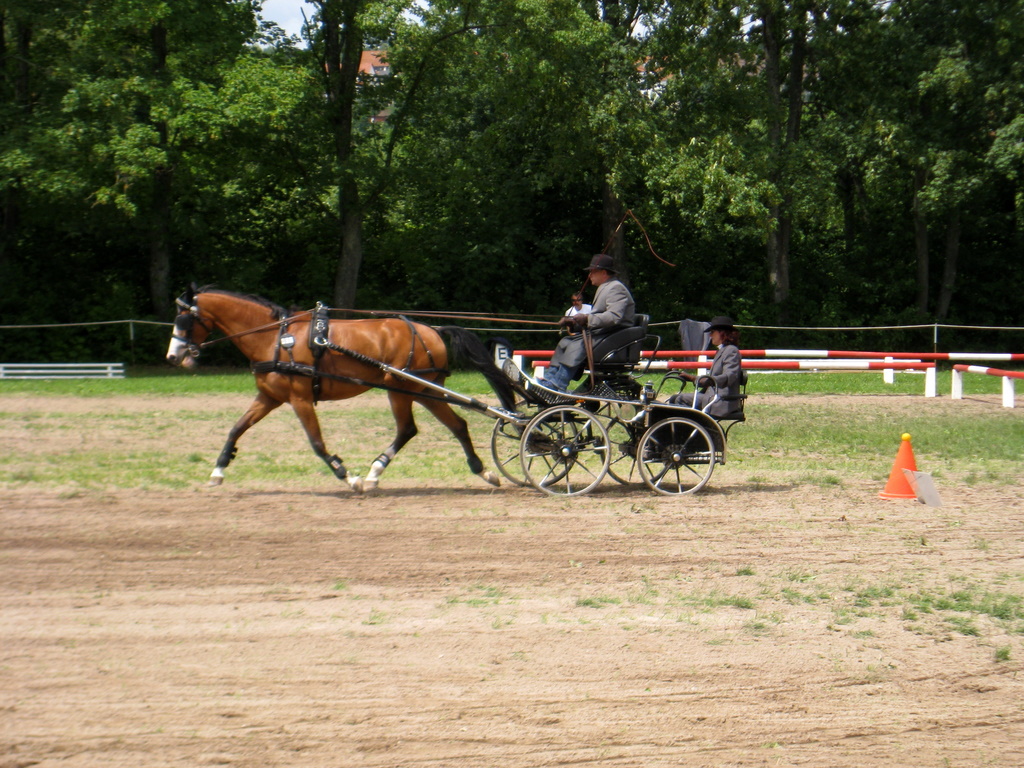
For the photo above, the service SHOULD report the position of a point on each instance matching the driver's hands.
(574, 323)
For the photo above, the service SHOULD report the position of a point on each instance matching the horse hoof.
(215, 481)
(355, 483)
(490, 478)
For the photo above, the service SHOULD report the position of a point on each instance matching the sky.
(287, 13)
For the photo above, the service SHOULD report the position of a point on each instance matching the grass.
(176, 381)
(786, 440)
(165, 380)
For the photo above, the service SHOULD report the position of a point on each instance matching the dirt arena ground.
(446, 624)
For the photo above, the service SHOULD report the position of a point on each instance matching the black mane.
(277, 311)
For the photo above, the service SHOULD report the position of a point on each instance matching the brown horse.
(302, 358)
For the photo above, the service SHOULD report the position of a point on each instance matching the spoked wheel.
(506, 438)
(622, 441)
(675, 456)
(564, 451)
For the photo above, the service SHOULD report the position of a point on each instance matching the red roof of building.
(374, 63)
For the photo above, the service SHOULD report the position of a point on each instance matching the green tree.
(33, 43)
(917, 130)
(521, 143)
(133, 70)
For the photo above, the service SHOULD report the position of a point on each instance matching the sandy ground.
(448, 624)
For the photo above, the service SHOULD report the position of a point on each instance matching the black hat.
(602, 261)
(722, 323)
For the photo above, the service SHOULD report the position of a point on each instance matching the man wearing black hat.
(613, 309)
(725, 376)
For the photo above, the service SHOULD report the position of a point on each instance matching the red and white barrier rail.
(850, 354)
(1008, 381)
(930, 387)
(825, 359)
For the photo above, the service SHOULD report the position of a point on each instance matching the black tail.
(465, 346)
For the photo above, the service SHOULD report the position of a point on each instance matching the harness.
(319, 343)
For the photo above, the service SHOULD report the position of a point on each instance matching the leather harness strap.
(319, 342)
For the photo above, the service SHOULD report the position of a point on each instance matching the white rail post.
(889, 375)
(702, 371)
(1008, 398)
(930, 383)
(958, 385)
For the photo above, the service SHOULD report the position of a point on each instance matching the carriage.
(614, 425)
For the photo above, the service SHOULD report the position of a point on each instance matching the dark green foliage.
(144, 145)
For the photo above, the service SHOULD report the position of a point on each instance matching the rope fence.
(485, 324)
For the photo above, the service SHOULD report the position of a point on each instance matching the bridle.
(184, 323)
(190, 315)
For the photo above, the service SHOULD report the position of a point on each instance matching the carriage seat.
(622, 348)
(735, 414)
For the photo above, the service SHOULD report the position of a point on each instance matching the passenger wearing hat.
(725, 376)
(613, 309)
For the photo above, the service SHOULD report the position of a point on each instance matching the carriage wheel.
(564, 451)
(676, 456)
(622, 440)
(505, 440)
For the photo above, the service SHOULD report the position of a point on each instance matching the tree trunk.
(346, 276)
(343, 49)
(612, 212)
(950, 267)
(159, 235)
(778, 256)
(784, 124)
(921, 241)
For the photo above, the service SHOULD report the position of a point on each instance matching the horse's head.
(190, 331)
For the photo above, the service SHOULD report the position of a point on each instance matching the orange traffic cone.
(898, 486)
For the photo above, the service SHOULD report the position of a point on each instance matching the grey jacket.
(613, 308)
(727, 375)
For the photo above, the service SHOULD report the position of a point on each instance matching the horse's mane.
(277, 311)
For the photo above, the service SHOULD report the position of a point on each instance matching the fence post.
(930, 382)
(958, 385)
(1008, 392)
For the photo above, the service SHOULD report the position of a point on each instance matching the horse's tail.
(465, 346)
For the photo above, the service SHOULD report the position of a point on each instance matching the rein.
(486, 317)
(258, 329)
(372, 312)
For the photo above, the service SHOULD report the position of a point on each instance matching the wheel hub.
(673, 455)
